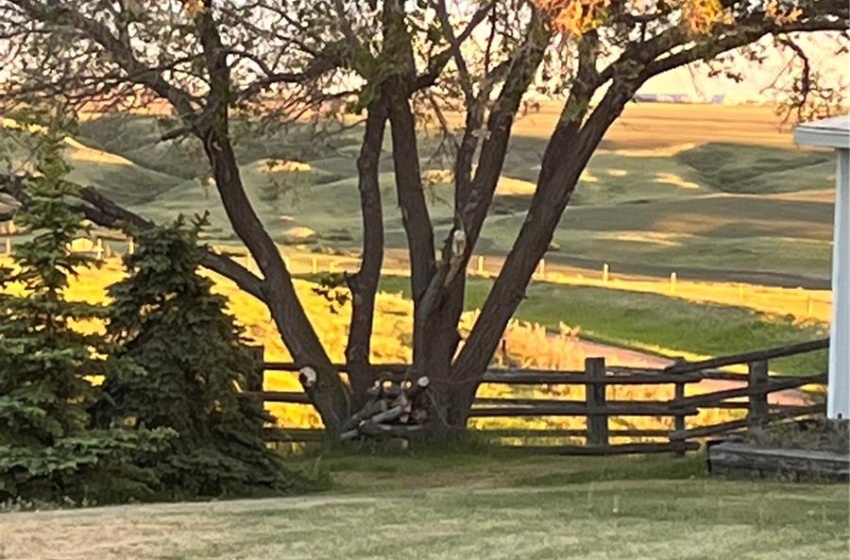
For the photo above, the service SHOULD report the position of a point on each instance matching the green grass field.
(654, 323)
(709, 191)
(717, 192)
(468, 505)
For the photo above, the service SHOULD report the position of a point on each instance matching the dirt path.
(631, 358)
(566, 264)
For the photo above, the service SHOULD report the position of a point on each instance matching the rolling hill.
(689, 190)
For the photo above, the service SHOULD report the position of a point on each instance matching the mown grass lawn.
(457, 506)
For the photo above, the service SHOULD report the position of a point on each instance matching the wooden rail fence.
(754, 387)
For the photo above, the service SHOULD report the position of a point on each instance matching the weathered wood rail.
(751, 396)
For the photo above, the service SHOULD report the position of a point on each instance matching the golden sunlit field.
(529, 345)
(644, 233)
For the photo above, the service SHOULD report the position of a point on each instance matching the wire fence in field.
(801, 303)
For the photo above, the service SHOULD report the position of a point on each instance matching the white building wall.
(838, 395)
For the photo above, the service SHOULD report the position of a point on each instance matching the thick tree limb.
(442, 303)
(330, 395)
(472, 204)
(364, 284)
(574, 146)
(411, 196)
(277, 289)
(736, 39)
(102, 211)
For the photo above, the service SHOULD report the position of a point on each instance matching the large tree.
(391, 62)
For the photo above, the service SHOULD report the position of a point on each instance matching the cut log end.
(308, 377)
(395, 410)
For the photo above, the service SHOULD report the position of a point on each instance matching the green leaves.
(333, 287)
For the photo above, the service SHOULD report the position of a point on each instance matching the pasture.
(544, 335)
(712, 192)
(653, 323)
(494, 505)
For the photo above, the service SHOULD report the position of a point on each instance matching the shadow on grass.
(470, 463)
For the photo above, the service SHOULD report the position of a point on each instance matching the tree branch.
(747, 32)
(473, 203)
(104, 212)
(364, 284)
(408, 176)
(454, 47)
(571, 149)
(439, 62)
(53, 10)
(329, 394)
(444, 296)
(330, 59)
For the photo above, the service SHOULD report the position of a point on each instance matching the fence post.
(503, 353)
(758, 377)
(8, 245)
(679, 419)
(480, 268)
(606, 270)
(131, 246)
(99, 249)
(673, 278)
(315, 264)
(256, 377)
(597, 424)
(543, 269)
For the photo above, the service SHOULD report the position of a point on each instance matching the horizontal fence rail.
(751, 396)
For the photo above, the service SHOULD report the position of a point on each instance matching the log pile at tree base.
(395, 410)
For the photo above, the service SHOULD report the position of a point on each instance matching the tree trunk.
(558, 178)
(330, 393)
(364, 284)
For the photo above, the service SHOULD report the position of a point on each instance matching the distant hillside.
(688, 188)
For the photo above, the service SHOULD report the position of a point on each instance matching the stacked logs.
(394, 410)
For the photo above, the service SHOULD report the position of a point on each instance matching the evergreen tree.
(48, 448)
(167, 319)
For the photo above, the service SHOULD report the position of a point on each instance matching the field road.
(630, 358)
(396, 259)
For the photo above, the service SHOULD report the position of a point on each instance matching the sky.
(694, 80)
